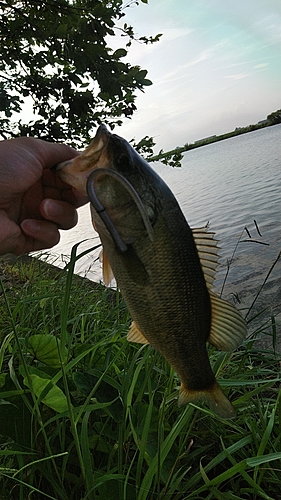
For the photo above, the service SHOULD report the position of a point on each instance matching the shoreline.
(51, 270)
(265, 313)
(178, 151)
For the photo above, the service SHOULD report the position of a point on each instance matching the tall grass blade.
(263, 283)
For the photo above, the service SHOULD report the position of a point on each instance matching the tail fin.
(214, 397)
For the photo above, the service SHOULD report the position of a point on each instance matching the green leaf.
(146, 82)
(47, 349)
(54, 397)
(104, 393)
(67, 47)
(119, 53)
(141, 74)
(253, 462)
(61, 30)
(2, 379)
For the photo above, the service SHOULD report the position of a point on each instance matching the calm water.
(229, 184)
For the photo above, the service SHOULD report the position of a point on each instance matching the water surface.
(229, 184)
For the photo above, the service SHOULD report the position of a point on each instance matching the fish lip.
(102, 131)
(101, 139)
(98, 144)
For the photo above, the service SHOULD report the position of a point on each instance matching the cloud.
(260, 66)
(207, 61)
(174, 33)
(179, 72)
(238, 76)
(268, 29)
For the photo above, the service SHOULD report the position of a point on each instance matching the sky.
(216, 67)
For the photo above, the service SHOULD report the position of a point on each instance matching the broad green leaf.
(146, 82)
(47, 349)
(54, 397)
(119, 53)
(104, 392)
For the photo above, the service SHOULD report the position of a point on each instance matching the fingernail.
(52, 208)
(30, 226)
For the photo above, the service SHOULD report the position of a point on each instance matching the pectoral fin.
(107, 273)
(135, 335)
(228, 328)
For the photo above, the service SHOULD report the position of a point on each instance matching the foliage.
(58, 53)
(274, 117)
(98, 419)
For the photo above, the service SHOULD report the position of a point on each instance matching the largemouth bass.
(164, 269)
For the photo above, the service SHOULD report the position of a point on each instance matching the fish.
(164, 269)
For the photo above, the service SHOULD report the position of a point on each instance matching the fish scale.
(164, 269)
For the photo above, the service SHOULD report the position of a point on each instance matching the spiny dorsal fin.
(207, 247)
(135, 335)
(228, 328)
(107, 273)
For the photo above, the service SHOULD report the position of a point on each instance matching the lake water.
(228, 184)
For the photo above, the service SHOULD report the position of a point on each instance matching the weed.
(86, 415)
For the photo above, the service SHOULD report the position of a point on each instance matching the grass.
(84, 415)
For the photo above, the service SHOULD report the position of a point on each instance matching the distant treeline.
(176, 154)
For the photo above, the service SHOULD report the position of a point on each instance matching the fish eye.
(123, 161)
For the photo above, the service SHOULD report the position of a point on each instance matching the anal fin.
(135, 335)
(228, 328)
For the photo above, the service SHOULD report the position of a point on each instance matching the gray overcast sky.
(216, 67)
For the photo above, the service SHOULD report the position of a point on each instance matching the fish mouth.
(102, 132)
(91, 154)
(76, 171)
(99, 143)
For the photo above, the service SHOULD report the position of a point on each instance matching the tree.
(274, 117)
(57, 53)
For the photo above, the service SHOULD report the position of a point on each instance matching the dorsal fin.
(107, 273)
(207, 247)
(135, 335)
(228, 328)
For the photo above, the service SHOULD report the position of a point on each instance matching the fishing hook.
(100, 209)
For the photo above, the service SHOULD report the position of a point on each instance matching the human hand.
(34, 202)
